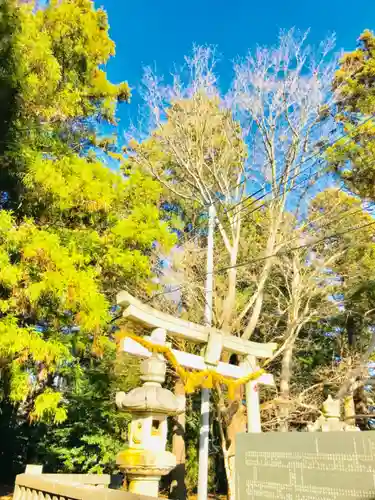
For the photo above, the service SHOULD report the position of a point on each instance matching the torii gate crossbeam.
(216, 342)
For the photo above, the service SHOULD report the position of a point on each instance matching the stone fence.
(36, 486)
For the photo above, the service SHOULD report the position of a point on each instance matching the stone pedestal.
(146, 459)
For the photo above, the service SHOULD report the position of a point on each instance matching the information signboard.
(305, 466)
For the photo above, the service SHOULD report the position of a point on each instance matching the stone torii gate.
(215, 342)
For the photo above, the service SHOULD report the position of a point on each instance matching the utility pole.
(205, 394)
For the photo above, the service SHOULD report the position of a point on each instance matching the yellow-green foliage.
(57, 278)
(73, 232)
(353, 157)
(47, 407)
(59, 50)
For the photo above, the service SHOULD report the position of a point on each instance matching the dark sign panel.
(305, 466)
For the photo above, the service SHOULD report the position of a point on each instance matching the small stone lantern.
(330, 421)
(146, 459)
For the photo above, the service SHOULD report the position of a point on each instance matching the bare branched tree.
(196, 150)
(283, 95)
(199, 152)
(307, 284)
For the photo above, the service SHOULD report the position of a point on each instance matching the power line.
(267, 202)
(299, 173)
(261, 259)
(299, 165)
(272, 199)
(250, 196)
(307, 245)
(304, 180)
(347, 214)
(254, 201)
(213, 203)
(278, 195)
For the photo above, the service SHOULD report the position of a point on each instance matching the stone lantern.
(146, 459)
(330, 421)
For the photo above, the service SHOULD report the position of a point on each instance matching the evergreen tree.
(353, 157)
(73, 231)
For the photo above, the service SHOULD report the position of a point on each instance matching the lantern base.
(144, 468)
(141, 485)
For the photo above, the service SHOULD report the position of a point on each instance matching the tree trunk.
(230, 299)
(349, 409)
(178, 487)
(228, 462)
(230, 423)
(249, 330)
(350, 330)
(356, 372)
(286, 373)
(361, 407)
(258, 302)
(236, 417)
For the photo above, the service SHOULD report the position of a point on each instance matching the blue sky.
(160, 33)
